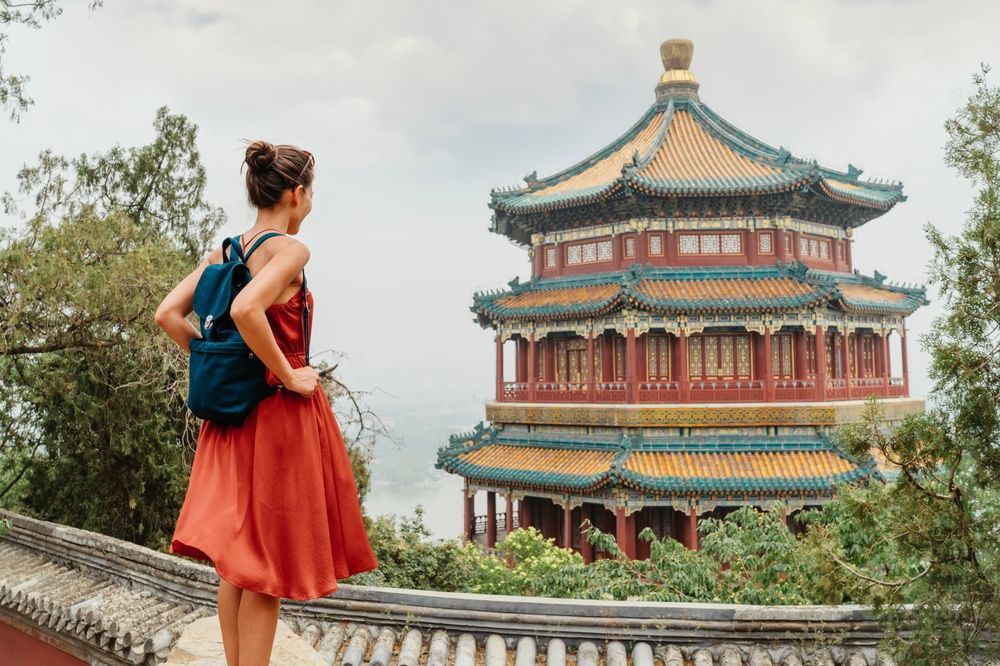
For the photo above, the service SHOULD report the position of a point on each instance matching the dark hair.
(274, 169)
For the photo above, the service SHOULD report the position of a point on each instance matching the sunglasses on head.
(310, 161)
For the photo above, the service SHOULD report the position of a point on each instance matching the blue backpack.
(226, 378)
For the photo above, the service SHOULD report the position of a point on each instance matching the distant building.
(692, 333)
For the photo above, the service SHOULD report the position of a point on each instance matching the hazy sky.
(416, 109)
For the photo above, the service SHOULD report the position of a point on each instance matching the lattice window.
(810, 343)
(732, 244)
(695, 370)
(604, 250)
(788, 243)
(719, 357)
(710, 244)
(803, 246)
(781, 356)
(588, 253)
(597, 373)
(657, 358)
(765, 242)
(656, 244)
(561, 361)
(824, 250)
(742, 356)
(550, 257)
(630, 246)
(726, 355)
(619, 358)
(688, 244)
(842, 250)
(867, 355)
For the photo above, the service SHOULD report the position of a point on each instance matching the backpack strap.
(232, 244)
(253, 248)
(305, 315)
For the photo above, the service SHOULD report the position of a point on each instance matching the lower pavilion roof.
(679, 466)
(779, 288)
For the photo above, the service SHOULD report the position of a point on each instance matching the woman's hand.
(303, 381)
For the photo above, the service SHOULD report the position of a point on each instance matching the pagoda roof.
(778, 288)
(677, 465)
(680, 147)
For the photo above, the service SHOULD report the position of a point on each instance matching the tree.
(94, 416)
(932, 535)
(32, 13)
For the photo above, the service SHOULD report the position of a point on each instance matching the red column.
(683, 381)
(820, 363)
(845, 350)
(491, 519)
(768, 369)
(509, 517)
(499, 368)
(884, 344)
(631, 367)
(470, 515)
(692, 529)
(521, 359)
(567, 535)
(591, 375)
(586, 548)
(906, 367)
(799, 343)
(523, 509)
(630, 531)
(621, 529)
(532, 367)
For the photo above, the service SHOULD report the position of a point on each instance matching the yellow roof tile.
(737, 465)
(564, 296)
(864, 292)
(689, 152)
(560, 461)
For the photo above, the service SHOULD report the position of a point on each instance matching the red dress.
(273, 502)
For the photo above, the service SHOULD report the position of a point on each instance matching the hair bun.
(260, 156)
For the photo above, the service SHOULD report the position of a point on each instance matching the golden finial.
(677, 80)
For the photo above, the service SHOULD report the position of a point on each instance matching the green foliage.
(408, 558)
(930, 539)
(750, 557)
(94, 417)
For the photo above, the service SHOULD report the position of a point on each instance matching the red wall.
(671, 257)
(20, 649)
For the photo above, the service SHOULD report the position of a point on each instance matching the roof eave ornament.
(677, 81)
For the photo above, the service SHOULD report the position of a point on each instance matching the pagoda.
(692, 334)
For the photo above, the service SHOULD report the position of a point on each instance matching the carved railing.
(611, 392)
(659, 392)
(515, 391)
(561, 392)
(479, 522)
(789, 390)
(836, 389)
(733, 390)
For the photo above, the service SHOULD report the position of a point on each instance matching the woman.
(272, 502)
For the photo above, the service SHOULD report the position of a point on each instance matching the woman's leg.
(229, 608)
(257, 624)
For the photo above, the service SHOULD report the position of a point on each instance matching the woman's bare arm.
(172, 313)
(260, 293)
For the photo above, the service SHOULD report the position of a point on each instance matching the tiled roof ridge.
(535, 183)
(362, 624)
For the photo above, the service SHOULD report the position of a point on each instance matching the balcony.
(698, 391)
